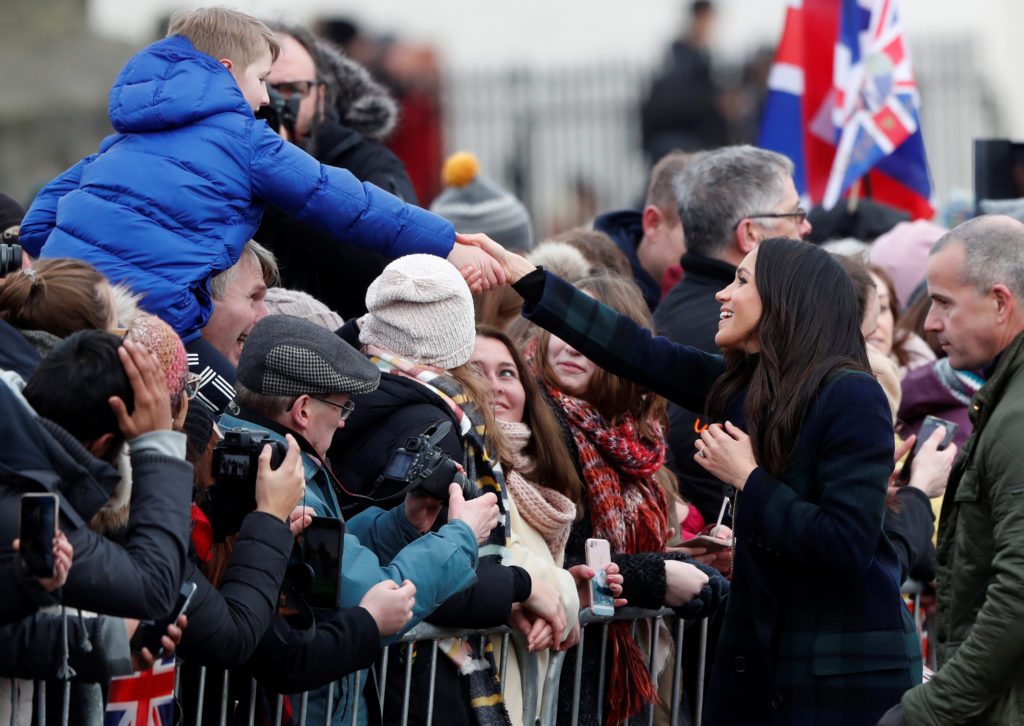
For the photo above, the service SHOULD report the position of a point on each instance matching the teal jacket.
(381, 545)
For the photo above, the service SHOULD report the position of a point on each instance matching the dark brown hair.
(553, 465)
(602, 253)
(58, 295)
(611, 395)
(803, 343)
(901, 332)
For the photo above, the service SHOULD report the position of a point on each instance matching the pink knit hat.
(903, 253)
(160, 339)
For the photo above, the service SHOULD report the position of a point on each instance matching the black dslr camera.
(236, 463)
(421, 465)
(10, 252)
(280, 111)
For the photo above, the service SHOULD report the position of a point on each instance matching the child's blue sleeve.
(334, 200)
(41, 217)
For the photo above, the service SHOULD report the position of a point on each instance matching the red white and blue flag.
(843, 104)
(143, 699)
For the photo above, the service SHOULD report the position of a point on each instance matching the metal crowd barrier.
(541, 700)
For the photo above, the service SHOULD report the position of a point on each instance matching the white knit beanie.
(421, 308)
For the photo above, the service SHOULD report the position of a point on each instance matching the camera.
(236, 462)
(423, 466)
(10, 254)
(280, 111)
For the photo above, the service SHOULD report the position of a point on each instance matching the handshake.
(485, 264)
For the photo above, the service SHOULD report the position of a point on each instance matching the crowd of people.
(234, 343)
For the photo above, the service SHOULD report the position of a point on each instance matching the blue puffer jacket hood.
(172, 198)
(170, 84)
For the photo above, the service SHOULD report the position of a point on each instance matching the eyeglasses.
(799, 215)
(344, 409)
(192, 383)
(288, 89)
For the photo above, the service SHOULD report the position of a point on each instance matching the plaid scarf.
(628, 508)
(474, 657)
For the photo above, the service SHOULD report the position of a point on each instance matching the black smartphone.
(149, 633)
(39, 514)
(322, 545)
(927, 429)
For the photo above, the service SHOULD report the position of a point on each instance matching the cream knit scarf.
(547, 511)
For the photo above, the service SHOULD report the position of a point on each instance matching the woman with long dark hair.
(815, 629)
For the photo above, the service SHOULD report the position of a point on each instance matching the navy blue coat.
(172, 198)
(815, 630)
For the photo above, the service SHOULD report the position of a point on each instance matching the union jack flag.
(143, 699)
(843, 105)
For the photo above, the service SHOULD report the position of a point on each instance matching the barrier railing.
(539, 695)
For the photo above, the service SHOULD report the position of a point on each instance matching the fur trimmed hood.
(360, 102)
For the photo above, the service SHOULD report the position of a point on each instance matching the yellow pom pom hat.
(474, 203)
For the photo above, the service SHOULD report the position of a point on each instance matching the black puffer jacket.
(382, 422)
(226, 625)
(137, 579)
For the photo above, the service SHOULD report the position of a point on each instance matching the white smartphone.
(599, 556)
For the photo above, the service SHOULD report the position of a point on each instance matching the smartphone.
(322, 545)
(149, 634)
(712, 544)
(599, 556)
(39, 515)
(927, 429)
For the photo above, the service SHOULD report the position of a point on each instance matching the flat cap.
(289, 356)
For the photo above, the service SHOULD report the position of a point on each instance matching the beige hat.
(421, 308)
(282, 301)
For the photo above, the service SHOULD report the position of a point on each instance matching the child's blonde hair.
(221, 32)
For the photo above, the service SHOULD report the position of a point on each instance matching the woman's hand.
(514, 266)
(726, 452)
(683, 582)
(480, 269)
(583, 574)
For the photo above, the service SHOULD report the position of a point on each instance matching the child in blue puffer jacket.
(172, 197)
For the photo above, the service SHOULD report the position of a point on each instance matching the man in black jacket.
(729, 200)
(343, 117)
(89, 396)
(652, 239)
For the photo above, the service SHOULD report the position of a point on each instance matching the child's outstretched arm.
(358, 213)
(41, 217)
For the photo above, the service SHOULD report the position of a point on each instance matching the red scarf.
(629, 509)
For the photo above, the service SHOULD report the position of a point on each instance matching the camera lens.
(10, 259)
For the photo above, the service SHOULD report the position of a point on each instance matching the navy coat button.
(739, 664)
(776, 700)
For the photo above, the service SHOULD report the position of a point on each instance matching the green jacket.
(980, 609)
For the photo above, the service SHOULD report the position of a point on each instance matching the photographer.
(295, 377)
(331, 107)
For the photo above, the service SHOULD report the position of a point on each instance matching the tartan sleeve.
(614, 342)
(851, 431)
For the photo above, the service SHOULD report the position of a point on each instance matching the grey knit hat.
(473, 203)
(282, 301)
(420, 308)
(289, 356)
